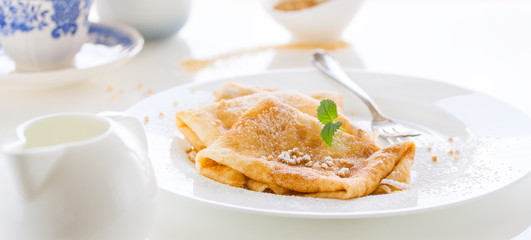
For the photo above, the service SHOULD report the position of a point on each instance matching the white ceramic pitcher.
(76, 176)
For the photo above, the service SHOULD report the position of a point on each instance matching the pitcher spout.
(30, 169)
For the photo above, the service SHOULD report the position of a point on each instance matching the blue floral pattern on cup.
(21, 16)
(107, 36)
(26, 16)
(65, 14)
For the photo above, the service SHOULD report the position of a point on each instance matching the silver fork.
(388, 129)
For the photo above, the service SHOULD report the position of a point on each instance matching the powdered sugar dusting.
(465, 167)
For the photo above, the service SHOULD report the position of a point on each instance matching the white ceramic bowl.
(322, 23)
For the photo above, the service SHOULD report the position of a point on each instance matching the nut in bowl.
(314, 21)
(43, 35)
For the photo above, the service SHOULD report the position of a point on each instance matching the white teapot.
(76, 176)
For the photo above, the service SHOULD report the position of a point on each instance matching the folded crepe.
(202, 126)
(274, 147)
(230, 90)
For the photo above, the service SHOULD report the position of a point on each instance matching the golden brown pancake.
(202, 126)
(229, 90)
(274, 147)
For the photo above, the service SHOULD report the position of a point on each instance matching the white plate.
(109, 46)
(492, 138)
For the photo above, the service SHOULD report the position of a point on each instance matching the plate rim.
(332, 215)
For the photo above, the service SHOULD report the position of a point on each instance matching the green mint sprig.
(327, 113)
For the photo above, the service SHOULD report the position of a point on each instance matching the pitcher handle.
(133, 126)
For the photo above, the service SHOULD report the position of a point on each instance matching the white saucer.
(109, 46)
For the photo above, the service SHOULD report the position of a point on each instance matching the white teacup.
(76, 176)
(43, 34)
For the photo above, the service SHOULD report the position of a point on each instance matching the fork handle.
(329, 66)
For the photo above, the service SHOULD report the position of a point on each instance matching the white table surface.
(484, 45)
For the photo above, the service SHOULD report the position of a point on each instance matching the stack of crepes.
(269, 140)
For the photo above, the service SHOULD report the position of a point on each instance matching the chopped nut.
(343, 172)
(295, 5)
(284, 157)
(291, 161)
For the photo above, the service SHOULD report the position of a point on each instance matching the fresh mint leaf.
(328, 132)
(327, 111)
